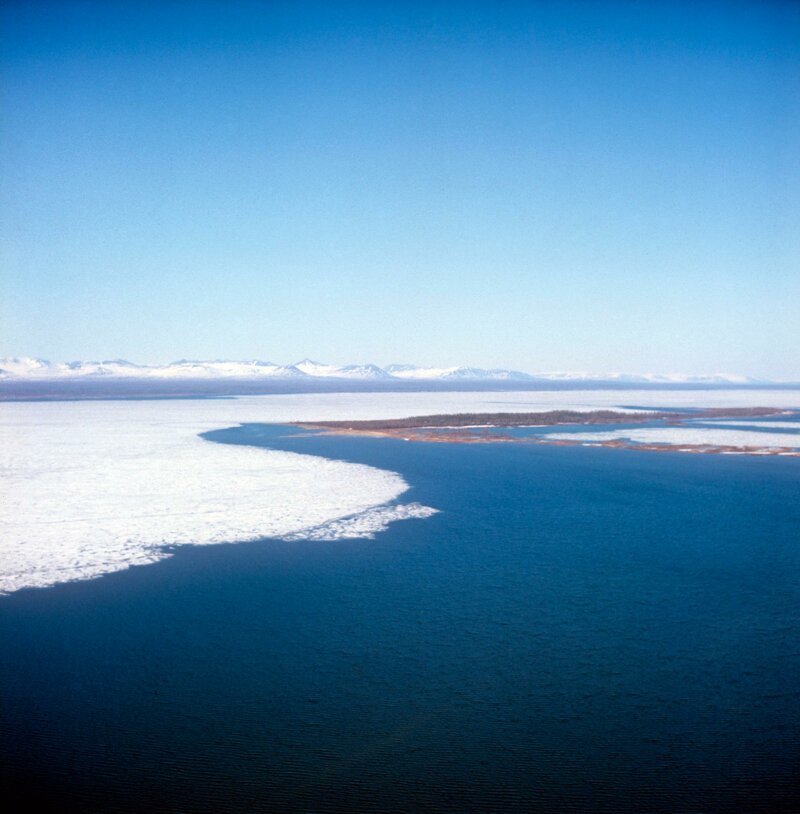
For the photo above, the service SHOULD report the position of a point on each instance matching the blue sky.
(546, 186)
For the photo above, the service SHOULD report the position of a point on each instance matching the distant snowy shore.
(32, 369)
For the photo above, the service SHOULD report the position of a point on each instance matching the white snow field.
(91, 487)
(688, 436)
(758, 423)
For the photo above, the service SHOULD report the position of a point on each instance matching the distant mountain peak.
(28, 367)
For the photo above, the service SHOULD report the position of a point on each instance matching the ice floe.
(91, 488)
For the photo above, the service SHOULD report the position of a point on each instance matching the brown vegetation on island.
(542, 419)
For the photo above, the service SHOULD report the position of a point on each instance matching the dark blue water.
(577, 630)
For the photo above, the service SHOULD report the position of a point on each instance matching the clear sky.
(546, 186)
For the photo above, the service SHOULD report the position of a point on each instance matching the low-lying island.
(482, 428)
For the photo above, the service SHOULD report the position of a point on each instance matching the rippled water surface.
(576, 630)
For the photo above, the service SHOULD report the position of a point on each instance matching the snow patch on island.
(756, 423)
(691, 436)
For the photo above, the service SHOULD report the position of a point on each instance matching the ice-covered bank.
(88, 488)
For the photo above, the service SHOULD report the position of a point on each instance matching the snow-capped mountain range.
(27, 368)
